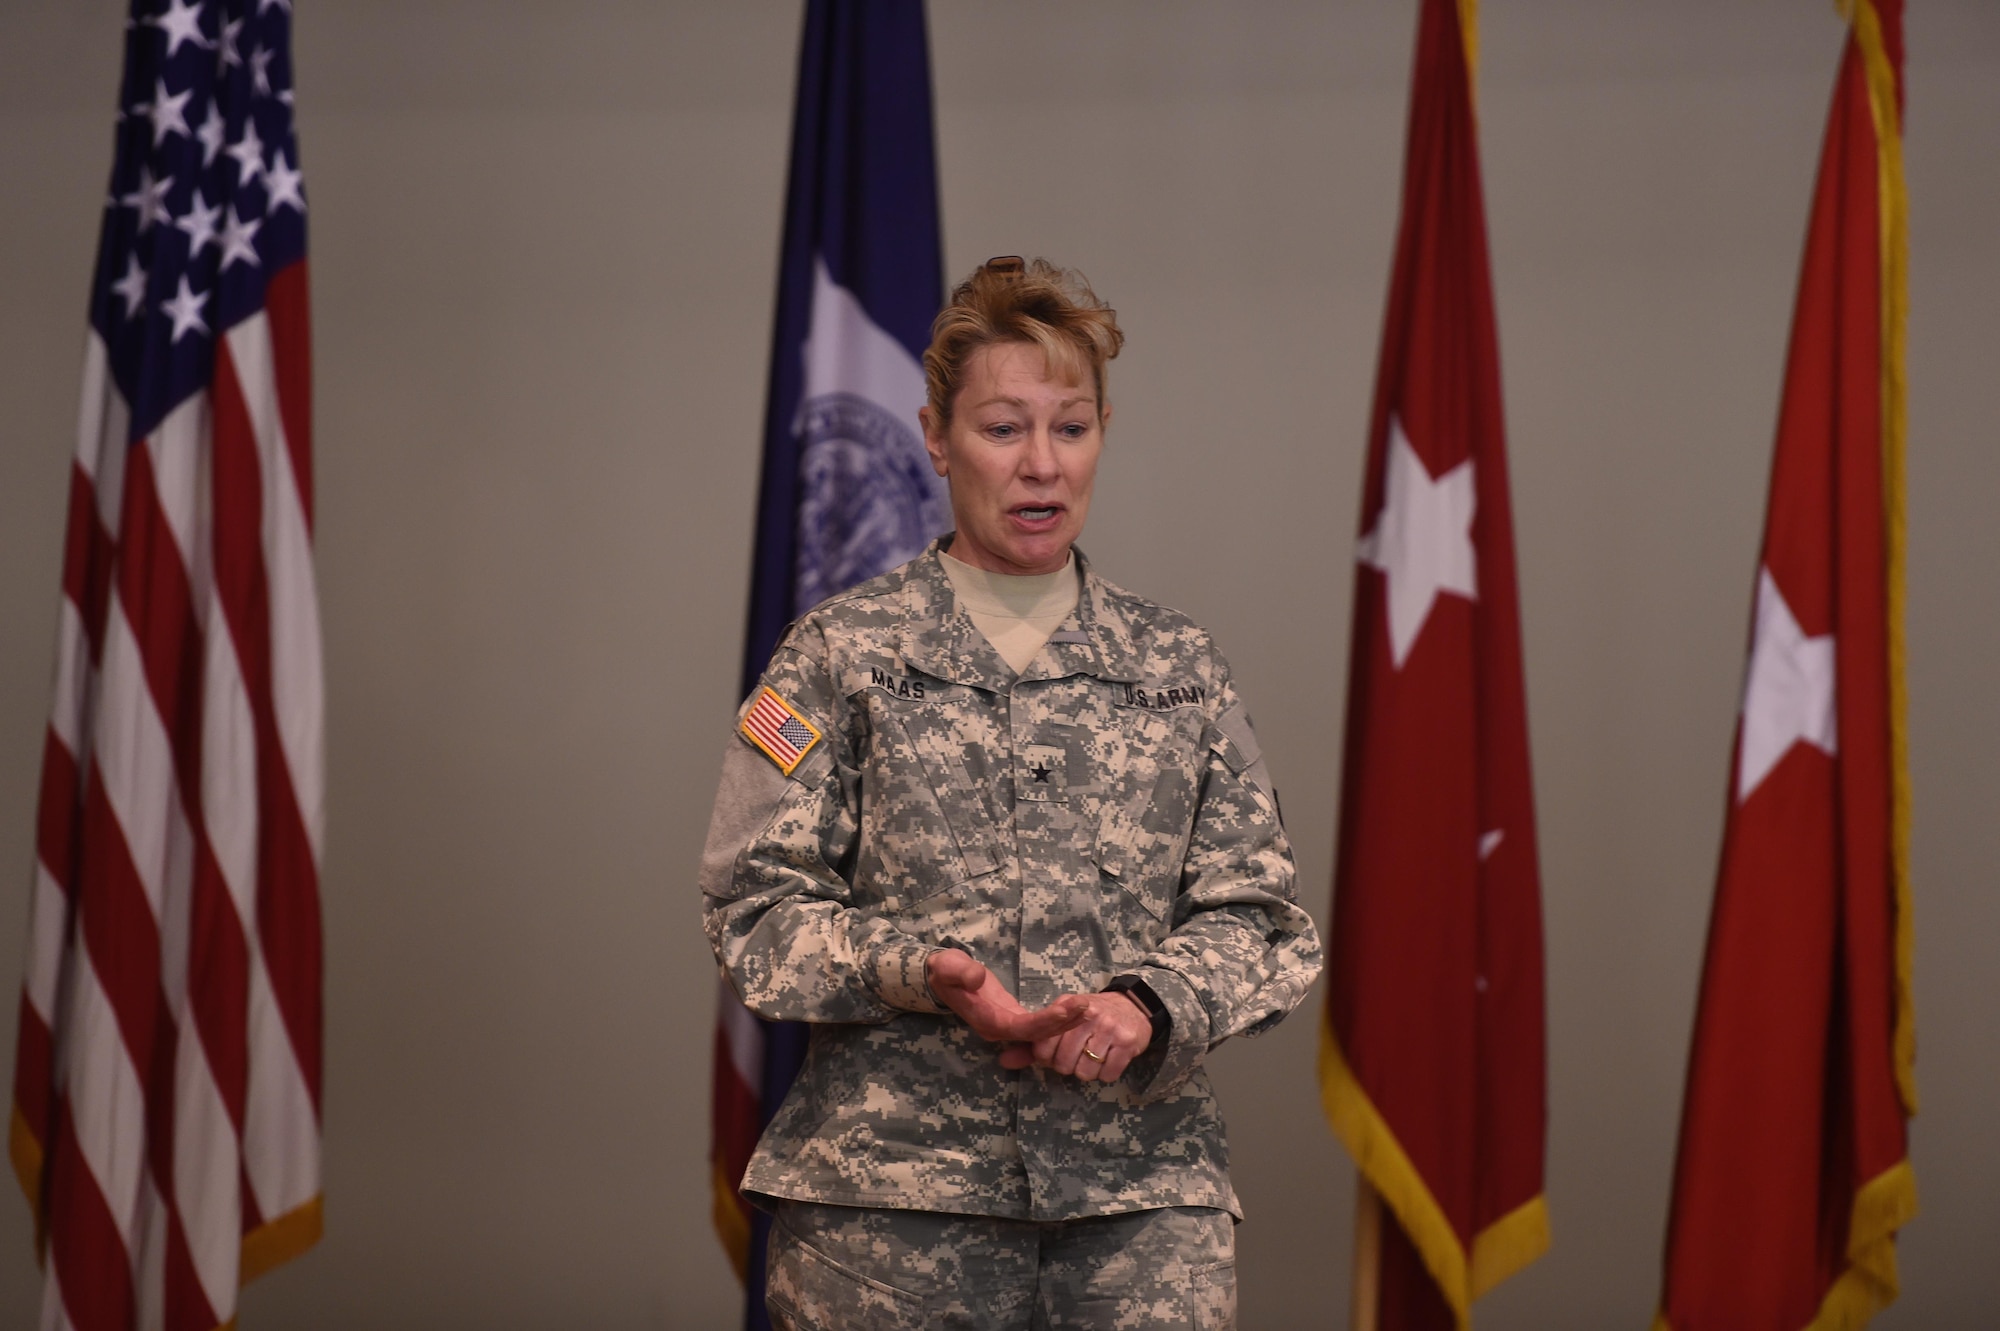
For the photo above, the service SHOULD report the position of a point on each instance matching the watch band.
(1156, 1011)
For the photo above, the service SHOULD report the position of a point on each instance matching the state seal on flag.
(869, 499)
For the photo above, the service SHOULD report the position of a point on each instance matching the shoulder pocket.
(746, 798)
(1232, 740)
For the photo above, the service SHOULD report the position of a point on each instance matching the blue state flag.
(847, 491)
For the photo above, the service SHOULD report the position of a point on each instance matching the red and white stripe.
(167, 1085)
(765, 723)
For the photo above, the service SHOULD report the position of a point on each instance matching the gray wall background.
(544, 239)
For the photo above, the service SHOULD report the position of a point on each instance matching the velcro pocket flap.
(1232, 740)
(1144, 860)
(960, 800)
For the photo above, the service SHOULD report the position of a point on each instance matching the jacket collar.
(940, 638)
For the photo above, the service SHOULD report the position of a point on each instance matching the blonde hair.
(1009, 300)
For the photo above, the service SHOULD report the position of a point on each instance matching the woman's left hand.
(1114, 1031)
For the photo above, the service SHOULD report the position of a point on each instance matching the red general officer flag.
(1794, 1174)
(1432, 1058)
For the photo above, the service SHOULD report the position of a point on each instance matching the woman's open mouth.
(1036, 517)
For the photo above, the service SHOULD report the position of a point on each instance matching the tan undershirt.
(1016, 613)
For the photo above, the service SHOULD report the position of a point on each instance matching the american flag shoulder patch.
(776, 727)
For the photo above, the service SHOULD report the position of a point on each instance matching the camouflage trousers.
(836, 1267)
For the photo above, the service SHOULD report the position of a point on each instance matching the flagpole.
(1367, 1284)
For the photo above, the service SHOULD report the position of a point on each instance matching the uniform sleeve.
(1243, 952)
(776, 909)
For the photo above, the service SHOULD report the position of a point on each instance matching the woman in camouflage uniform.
(1000, 829)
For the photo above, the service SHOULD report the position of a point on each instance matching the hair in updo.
(1008, 300)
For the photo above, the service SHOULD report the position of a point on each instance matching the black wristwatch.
(1156, 1011)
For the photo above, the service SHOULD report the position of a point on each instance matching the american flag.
(167, 1085)
(775, 728)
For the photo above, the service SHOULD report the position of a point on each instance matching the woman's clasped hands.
(1092, 1037)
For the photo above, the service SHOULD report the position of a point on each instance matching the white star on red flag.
(1788, 696)
(1422, 539)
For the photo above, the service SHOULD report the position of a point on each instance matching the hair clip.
(1006, 265)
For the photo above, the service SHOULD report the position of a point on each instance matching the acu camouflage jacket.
(1104, 812)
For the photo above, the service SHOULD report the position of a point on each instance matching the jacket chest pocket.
(926, 819)
(1148, 815)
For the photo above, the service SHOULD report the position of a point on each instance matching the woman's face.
(1020, 455)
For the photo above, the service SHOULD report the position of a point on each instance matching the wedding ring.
(1095, 1058)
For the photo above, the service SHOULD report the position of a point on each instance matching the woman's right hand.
(983, 1003)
